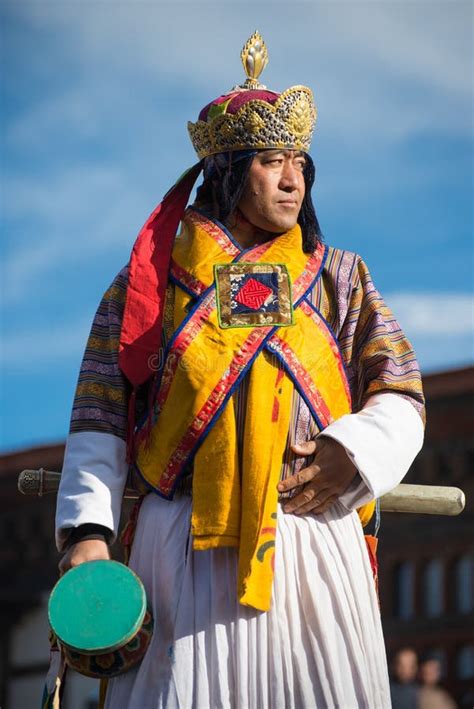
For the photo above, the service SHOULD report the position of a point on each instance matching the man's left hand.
(330, 473)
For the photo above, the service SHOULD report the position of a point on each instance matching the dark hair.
(224, 181)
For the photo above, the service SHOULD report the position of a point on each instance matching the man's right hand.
(87, 550)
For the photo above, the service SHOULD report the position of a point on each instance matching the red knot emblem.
(253, 294)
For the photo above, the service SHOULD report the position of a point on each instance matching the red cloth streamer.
(140, 337)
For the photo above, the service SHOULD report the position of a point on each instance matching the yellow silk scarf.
(234, 501)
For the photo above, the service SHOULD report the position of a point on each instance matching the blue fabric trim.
(297, 384)
(315, 279)
(181, 285)
(243, 252)
(232, 389)
(221, 226)
(211, 424)
(201, 298)
(176, 333)
(191, 313)
(196, 305)
(333, 335)
(150, 487)
(224, 229)
(159, 375)
(185, 321)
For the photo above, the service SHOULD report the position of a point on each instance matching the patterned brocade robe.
(378, 358)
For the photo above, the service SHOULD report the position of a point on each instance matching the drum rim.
(125, 639)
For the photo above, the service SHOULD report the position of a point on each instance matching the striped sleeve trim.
(100, 402)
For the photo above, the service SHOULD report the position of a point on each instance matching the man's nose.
(289, 177)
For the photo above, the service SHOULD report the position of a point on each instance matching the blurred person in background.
(431, 695)
(404, 690)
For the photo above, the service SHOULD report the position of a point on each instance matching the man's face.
(430, 672)
(274, 190)
(405, 665)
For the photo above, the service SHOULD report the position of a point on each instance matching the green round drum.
(98, 612)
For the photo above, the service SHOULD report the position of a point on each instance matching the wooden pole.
(413, 499)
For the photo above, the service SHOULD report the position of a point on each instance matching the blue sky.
(95, 100)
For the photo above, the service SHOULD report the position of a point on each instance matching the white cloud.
(443, 314)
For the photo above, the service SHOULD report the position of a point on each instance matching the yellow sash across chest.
(234, 482)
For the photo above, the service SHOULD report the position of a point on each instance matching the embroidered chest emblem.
(253, 294)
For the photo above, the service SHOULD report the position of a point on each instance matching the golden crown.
(262, 119)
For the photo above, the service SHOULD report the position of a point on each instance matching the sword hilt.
(38, 482)
(43, 482)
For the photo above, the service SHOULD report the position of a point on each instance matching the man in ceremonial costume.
(250, 383)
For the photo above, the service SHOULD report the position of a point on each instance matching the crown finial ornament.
(251, 117)
(254, 57)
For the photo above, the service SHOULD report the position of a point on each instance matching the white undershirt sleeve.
(382, 440)
(92, 483)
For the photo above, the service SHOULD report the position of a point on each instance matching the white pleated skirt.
(320, 645)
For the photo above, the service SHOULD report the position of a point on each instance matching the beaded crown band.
(252, 117)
